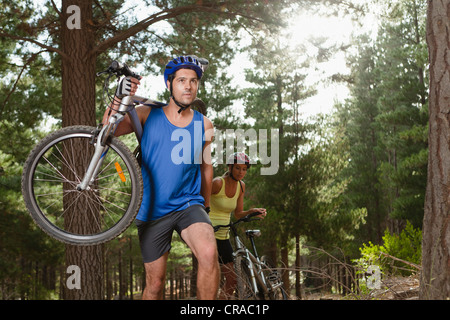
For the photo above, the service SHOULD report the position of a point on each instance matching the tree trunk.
(78, 69)
(298, 292)
(121, 277)
(285, 264)
(130, 242)
(90, 261)
(108, 278)
(78, 107)
(193, 287)
(435, 275)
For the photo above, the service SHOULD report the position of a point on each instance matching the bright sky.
(303, 26)
(337, 31)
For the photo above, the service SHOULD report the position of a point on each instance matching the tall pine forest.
(349, 189)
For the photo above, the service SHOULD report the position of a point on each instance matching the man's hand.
(127, 87)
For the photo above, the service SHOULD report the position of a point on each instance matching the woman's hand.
(262, 212)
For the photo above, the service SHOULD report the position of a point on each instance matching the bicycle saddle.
(253, 233)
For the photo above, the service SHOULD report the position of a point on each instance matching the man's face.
(184, 86)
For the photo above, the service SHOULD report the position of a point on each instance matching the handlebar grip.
(253, 214)
(132, 74)
(122, 69)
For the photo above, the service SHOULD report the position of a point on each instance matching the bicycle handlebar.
(247, 218)
(120, 69)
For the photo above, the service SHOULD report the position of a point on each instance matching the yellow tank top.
(221, 207)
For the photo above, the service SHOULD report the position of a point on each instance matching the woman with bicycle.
(227, 196)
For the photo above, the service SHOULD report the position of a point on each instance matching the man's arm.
(206, 167)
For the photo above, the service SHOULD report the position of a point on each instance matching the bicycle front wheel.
(96, 215)
(244, 285)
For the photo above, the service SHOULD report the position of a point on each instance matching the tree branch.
(403, 261)
(56, 8)
(141, 25)
(160, 16)
(48, 48)
(29, 60)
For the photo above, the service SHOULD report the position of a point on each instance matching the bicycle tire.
(54, 168)
(244, 290)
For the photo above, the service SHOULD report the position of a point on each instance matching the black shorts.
(155, 236)
(225, 251)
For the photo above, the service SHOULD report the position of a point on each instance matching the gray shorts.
(155, 237)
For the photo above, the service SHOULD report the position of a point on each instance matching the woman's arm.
(239, 211)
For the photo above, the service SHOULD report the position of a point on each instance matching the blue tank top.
(171, 158)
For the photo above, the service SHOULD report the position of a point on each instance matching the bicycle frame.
(254, 263)
(127, 105)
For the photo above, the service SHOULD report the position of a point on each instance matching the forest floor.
(392, 288)
(399, 288)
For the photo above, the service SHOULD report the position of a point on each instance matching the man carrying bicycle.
(175, 194)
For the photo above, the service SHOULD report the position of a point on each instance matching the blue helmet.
(183, 62)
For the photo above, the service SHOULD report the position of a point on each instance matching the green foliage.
(405, 246)
(386, 121)
(24, 248)
(307, 195)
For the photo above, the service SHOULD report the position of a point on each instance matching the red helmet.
(240, 158)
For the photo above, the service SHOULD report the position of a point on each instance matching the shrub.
(405, 246)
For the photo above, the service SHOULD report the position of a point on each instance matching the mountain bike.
(256, 278)
(81, 184)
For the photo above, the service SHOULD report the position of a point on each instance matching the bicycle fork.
(101, 148)
(253, 265)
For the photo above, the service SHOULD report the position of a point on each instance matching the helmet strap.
(232, 177)
(180, 105)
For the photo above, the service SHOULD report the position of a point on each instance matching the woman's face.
(239, 171)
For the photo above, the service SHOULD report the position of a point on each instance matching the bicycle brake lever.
(96, 132)
(102, 72)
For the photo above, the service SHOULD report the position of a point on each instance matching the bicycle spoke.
(59, 172)
(65, 162)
